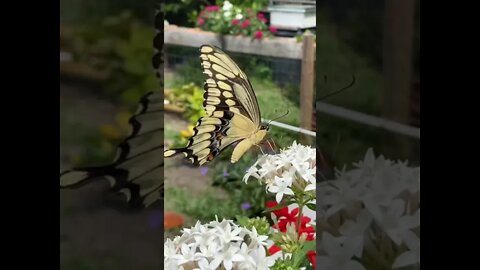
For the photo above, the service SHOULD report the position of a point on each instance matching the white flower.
(207, 246)
(268, 167)
(204, 264)
(171, 265)
(253, 171)
(296, 163)
(339, 194)
(227, 6)
(339, 255)
(281, 187)
(239, 16)
(262, 262)
(395, 223)
(228, 235)
(208, 249)
(187, 254)
(412, 256)
(357, 230)
(385, 186)
(371, 200)
(256, 239)
(228, 257)
(308, 173)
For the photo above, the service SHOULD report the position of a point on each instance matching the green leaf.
(311, 206)
(242, 220)
(301, 254)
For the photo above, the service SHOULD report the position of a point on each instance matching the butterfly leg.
(274, 145)
(261, 150)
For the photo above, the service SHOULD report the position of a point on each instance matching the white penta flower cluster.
(293, 169)
(217, 245)
(379, 203)
(230, 11)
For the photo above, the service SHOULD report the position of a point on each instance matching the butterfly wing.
(231, 107)
(137, 171)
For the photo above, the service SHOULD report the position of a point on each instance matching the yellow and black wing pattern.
(137, 170)
(232, 111)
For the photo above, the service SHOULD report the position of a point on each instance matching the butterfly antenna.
(338, 91)
(285, 114)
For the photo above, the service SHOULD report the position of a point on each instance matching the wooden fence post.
(307, 85)
(397, 69)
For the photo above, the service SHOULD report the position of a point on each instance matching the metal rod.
(368, 119)
(292, 128)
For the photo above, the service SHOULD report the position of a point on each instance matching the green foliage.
(255, 5)
(261, 224)
(230, 178)
(195, 108)
(284, 265)
(206, 207)
(184, 12)
(121, 46)
(190, 98)
(299, 37)
(80, 11)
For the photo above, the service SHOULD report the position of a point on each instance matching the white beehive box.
(292, 17)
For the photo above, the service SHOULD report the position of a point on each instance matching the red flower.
(200, 21)
(273, 29)
(273, 249)
(282, 212)
(261, 17)
(258, 34)
(284, 218)
(312, 257)
(292, 218)
(310, 231)
(245, 24)
(212, 8)
(235, 21)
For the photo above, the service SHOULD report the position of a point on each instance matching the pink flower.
(258, 34)
(245, 24)
(200, 21)
(235, 21)
(273, 29)
(212, 8)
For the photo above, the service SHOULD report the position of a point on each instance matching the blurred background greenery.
(110, 47)
(351, 42)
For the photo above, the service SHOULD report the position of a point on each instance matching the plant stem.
(299, 218)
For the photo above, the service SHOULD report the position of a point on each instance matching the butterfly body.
(233, 115)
